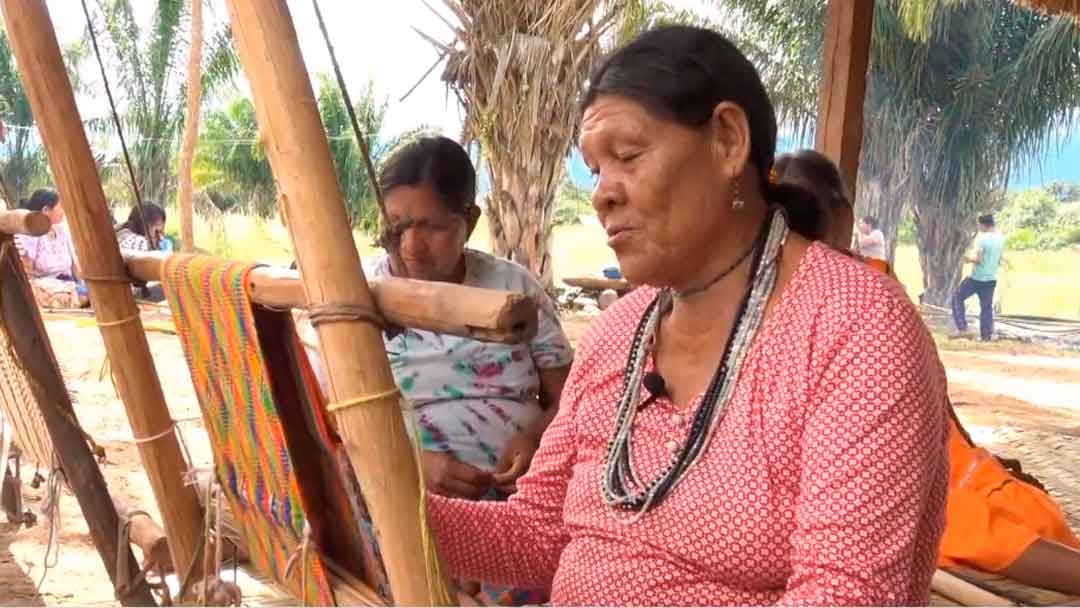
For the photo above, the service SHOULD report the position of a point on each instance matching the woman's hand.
(515, 460)
(448, 476)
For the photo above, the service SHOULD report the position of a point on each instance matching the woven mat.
(1021, 595)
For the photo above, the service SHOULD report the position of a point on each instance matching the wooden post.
(374, 434)
(148, 536)
(33, 41)
(482, 314)
(191, 130)
(848, 30)
(30, 343)
(21, 221)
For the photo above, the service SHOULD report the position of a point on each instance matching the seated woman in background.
(998, 519)
(813, 171)
(49, 259)
(136, 234)
(480, 407)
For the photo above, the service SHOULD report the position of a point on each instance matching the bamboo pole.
(21, 221)
(33, 41)
(845, 56)
(191, 129)
(481, 314)
(374, 434)
(32, 349)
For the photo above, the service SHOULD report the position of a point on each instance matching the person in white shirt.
(871, 241)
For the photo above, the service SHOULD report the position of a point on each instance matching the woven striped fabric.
(17, 401)
(216, 325)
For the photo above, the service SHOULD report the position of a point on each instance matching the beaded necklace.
(621, 485)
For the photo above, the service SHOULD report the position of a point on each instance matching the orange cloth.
(992, 517)
(880, 265)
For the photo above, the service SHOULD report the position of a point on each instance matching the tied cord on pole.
(119, 128)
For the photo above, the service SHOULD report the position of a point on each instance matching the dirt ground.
(1019, 401)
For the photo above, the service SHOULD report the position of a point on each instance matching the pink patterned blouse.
(825, 483)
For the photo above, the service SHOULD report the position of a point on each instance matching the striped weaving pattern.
(216, 325)
(17, 400)
(21, 408)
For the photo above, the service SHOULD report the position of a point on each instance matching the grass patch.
(1040, 283)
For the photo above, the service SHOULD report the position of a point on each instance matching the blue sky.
(1060, 163)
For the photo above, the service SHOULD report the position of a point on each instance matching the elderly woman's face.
(432, 238)
(663, 191)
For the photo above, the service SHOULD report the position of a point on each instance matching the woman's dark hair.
(871, 221)
(437, 161)
(987, 220)
(682, 73)
(41, 200)
(150, 212)
(816, 169)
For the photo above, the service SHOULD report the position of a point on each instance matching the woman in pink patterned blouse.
(49, 259)
(761, 425)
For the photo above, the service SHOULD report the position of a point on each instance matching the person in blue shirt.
(982, 281)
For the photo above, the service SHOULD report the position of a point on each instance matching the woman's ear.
(730, 134)
(471, 218)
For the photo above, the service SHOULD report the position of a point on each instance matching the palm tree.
(517, 68)
(147, 66)
(230, 162)
(232, 168)
(958, 93)
(24, 162)
(958, 96)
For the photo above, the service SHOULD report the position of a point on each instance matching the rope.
(360, 140)
(51, 509)
(362, 400)
(337, 313)
(125, 320)
(165, 433)
(150, 237)
(300, 554)
(438, 594)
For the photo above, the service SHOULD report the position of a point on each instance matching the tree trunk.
(942, 242)
(876, 198)
(191, 130)
(519, 217)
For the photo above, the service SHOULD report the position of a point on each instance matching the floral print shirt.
(51, 254)
(130, 240)
(470, 397)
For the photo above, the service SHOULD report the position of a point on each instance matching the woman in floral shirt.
(49, 259)
(480, 408)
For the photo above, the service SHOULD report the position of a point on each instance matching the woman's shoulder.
(491, 272)
(842, 290)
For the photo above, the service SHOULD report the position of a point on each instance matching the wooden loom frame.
(374, 435)
(32, 351)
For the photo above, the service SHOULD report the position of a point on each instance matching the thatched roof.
(1054, 6)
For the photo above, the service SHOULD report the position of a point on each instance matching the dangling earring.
(737, 203)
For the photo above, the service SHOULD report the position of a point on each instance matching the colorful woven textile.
(231, 349)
